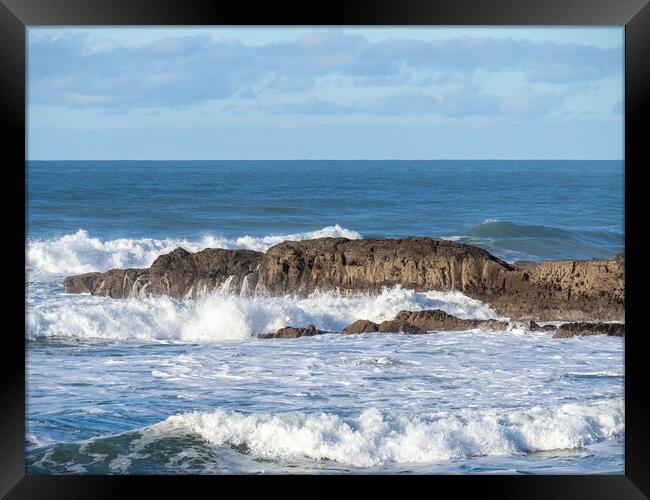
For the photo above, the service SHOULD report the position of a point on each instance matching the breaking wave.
(80, 253)
(221, 316)
(191, 441)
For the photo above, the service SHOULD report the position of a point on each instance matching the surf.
(80, 252)
(224, 316)
(203, 442)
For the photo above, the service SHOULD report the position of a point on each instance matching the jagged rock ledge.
(566, 290)
(290, 332)
(584, 329)
(429, 320)
(433, 320)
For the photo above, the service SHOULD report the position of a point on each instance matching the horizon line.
(331, 159)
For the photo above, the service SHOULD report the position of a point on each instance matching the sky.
(212, 93)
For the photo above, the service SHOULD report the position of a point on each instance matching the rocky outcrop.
(361, 326)
(430, 320)
(423, 322)
(566, 290)
(179, 273)
(370, 264)
(555, 290)
(289, 332)
(583, 329)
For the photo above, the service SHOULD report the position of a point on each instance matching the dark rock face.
(179, 273)
(289, 332)
(582, 329)
(565, 290)
(361, 326)
(370, 264)
(551, 290)
(423, 322)
(436, 320)
(396, 326)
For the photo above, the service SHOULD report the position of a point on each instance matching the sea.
(163, 386)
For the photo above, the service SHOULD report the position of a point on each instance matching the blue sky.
(351, 93)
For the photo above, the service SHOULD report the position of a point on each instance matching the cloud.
(458, 103)
(79, 71)
(467, 101)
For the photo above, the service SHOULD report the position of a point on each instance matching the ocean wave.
(496, 228)
(512, 241)
(222, 316)
(79, 252)
(369, 439)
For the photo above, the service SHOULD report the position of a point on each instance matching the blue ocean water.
(527, 209)
(158, 385)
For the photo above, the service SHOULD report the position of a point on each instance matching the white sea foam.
(219, 315)
(374, 438)
(80, 252)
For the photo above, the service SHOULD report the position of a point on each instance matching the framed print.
(368, 242)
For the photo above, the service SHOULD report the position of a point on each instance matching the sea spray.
(221, 315)
(201, 441)
(80, 252)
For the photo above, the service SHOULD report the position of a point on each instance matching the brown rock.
(289, 332)
(582, 329)
(370, 264)
(567, 290)
(179, 273)
(361, 326)
(393, 326)
(422, 322)
(435, 319)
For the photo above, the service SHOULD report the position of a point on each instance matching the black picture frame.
(17, 15)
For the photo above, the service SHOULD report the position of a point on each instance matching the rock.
(422, 322)
(393, 326)
(568, 290)
(371, 264)
(361, 326)
(179, 273)
(434, 319)
(582, 329)
(289, 332)
(524, 265)
(493, 325)
(531, 326)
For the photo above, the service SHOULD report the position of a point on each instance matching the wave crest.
(373, 438)
(220, 316)
(80, 253)
(511, 241)
(206, 442)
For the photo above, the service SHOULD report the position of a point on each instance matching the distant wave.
(190, 442)
(222, 316)
(495, 228)
(79, 252)
(520, 241)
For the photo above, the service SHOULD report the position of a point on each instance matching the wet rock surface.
(569, 330)
(431, 320)
(566, 290)
(290, 332)
(423, 322)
